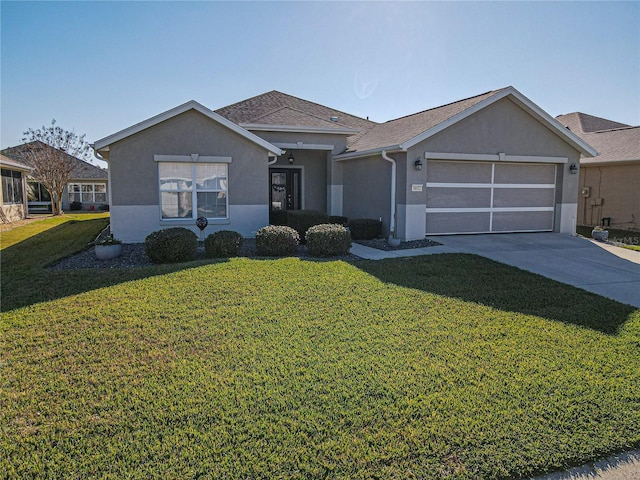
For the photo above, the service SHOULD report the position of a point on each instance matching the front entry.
(285, 191)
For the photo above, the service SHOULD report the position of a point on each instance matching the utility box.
(596, 202)
(585, 191)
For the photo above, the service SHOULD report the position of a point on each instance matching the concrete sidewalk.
(625, 466)
(612, 272)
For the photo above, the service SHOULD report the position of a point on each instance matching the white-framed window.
(88, 192)
(192, 190)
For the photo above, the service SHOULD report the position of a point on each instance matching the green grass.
(449, 366)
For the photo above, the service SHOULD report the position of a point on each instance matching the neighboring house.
(495, 162)
(13, 189)
(609, 183)
(87, 185)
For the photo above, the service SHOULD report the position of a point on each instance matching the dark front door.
(284, 193)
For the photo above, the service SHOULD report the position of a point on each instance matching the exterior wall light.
(291, 159)
(418, 164)
(573, 168)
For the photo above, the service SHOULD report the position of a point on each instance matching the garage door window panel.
(523, 197)
(524, 174)
(458, 197)
(458, 172)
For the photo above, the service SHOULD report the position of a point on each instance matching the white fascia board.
(521, 101)
(260, 127)
(367, 153)
(103, 144)
(18, 167)
(303, 146)
(589, 162)
(499, 157)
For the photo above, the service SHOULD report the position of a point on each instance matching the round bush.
(222, 244)
(171, 245)
(328, 240)
(302, 220)
(276, 241)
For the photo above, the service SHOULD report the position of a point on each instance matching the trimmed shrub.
(276, 241)
(177, 244)
(75, 206)
(328, 240)
(365, 228)
(339, 220)
(222, 244)
(302, 220)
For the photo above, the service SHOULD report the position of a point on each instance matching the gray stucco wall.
(132, 164)
(134, 175)
(506, 128)
(367, 188)
(313, 164)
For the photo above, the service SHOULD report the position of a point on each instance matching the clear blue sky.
(99, 67)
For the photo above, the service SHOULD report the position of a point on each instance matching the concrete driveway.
(609, 271)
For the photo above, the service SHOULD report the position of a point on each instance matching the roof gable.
(405, 132)
(102, 145)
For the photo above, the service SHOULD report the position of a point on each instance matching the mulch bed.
(381, 244)
(133, 255)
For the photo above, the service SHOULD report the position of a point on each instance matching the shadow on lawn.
(480, 280)
(26, 280)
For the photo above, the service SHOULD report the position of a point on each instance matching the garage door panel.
(463, 222)
(524, 174)
(452, 172)
(475, 197)
(522, 221)
(523, 197)
(458, 197)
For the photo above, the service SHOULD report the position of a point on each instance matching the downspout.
(101, 158)
(392, 221)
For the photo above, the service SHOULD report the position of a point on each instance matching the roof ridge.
(324, 106)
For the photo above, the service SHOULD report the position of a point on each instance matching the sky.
(100, 67)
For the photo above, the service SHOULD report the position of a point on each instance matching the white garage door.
(484, 197)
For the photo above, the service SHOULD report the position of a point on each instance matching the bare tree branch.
(50, 151)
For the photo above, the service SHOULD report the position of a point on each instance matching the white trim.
(304, 146)
(262, 127)
(490, 185)
(489, 209)
(487, 231)
(103, 143)
(194, 199)
(500, 157)
(366, 153)
(193, 158)
(524, 103)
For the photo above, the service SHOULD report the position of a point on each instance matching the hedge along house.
(491, 163)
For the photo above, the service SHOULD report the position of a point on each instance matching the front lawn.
(444, 366)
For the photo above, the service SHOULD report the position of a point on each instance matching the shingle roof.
(618, 145)
(274, 108)
(10, 163)
(614, 141)
(579, 122)
(81, 170)
(395, 132)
